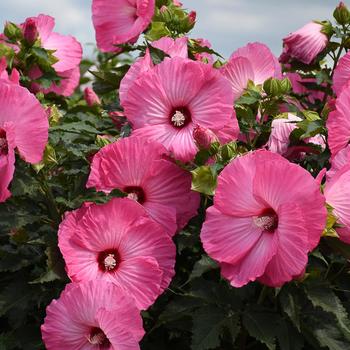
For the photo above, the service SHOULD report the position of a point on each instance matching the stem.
(262, 295)
(50, 200)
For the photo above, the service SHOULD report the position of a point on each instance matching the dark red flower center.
(97, 337)
(267, 220)
(108, 260)
(3, 143)
(180, 117)
(136, 193)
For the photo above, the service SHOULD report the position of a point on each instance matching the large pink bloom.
(268, 214)
(253, 62)
(166, 103)
(172, 47)
(159, 185)
(304, 44)
(92, 315)
(338, 123)
(337, 193)
(119, 243)
(120, 21)
(341, 75)
(66, 49)
(23, 125)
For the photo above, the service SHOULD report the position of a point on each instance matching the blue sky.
(228, 24)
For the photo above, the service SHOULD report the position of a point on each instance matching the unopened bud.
(177, 3)
(342, 14)
(30, 31)
(118, 119)
(163, 9)
(192, 17)
(203, 137)
(91, 98)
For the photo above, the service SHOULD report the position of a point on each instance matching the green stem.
(50, 199)
(262, 295)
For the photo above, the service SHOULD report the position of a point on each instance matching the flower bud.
(177, 3)
(12, 32)
(272, 87)
(163, 9)
(341, 14)
(192, 17)
(203, 137)
(118, 119)
(30, 31)
(91, 98)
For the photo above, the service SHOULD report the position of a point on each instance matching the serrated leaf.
(261, 325)
(322, 296)
(290, 306)
(288, 337)
(203, 265)
(208, 324)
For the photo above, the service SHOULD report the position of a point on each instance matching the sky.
(227, 24)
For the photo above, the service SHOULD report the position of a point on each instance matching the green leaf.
(290, 306)
(322, 296)
(262, 325)
(311, 115)
(157, 55)
(157, 31)
(204, 180)
(203, 265)
(208, 325)
(310, 128)
(329, 336)
(288, 337)
(338, 246)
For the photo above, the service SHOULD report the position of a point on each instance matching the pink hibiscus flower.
(13, 77)
(304, 44)
(141, 65)
(162, 188)
(265, 230)
(204, 56)
(119, 243)
(172, 47)
(341, 159)
(66, 86)
(341, 75)
(22, 120)
(338, 123)
(300, 89)
(253, 62)
(166, 103)
(337, 193)
(120, 21)
(278, 142)
(92, 315)
(66, 49)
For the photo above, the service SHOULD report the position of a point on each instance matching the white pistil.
(133, 196)
(178, 118)
(110, 262)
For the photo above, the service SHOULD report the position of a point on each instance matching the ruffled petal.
(227, 238)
